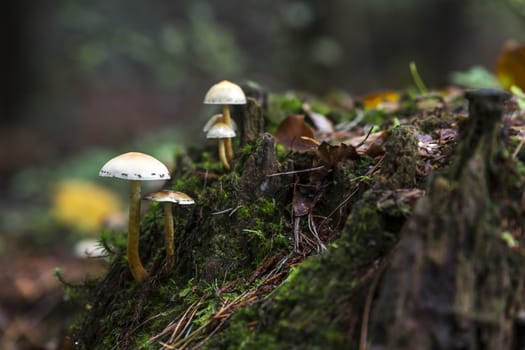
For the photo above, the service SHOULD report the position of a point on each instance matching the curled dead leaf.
(302, 203)
(294, 133)
(330, 155)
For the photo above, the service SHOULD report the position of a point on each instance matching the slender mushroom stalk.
(223, 153)
(228, 141)
(135, 265)
(223, 132)
(167, 197)
(226, 93)
(169, 233)
(135, 167)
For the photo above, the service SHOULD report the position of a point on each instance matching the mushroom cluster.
(217, 128)
(136, 167)
(221, 126)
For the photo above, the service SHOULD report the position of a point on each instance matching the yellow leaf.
(378, 99)
(83, 205)
(510, 66)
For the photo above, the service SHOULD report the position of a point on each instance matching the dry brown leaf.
(321, 122)
(302, 203)
(294, 133)
(330, 155)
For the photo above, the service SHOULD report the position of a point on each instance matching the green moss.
(401, 158)
(290, 320)
(247, 149)
(320, 107)
(210, 162)
(282, 153)
(224, 239)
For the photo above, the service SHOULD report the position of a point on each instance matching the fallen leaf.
(291, 130)
(510, 66)
(321, 122)
(302, 203)
(380, 99)
(330, 155)
(375, 150)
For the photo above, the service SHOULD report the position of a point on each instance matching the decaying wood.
(453, 278)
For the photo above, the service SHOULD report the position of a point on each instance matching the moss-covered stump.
(455, 283)
(286, 251)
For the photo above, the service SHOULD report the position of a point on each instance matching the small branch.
(296, 171)
(222, 211)
(366, 138)
(370, 297)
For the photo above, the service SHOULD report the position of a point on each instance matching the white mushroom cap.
(170, 196)
(220, 131)
(215, 119)
(225, 93)
(135, 166)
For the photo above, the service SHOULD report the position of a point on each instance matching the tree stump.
(454, 283)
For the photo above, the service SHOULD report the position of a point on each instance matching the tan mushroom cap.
(170, 196)
(220, 130)
(135, 166)
(225, 93)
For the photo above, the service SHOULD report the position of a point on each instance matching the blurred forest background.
(83, 81)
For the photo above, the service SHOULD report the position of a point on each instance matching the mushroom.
(217, 118)
(135, 167)
(222, 132)
(226, 93)
(167, 197)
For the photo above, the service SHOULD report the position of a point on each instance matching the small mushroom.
(222, 132)
(226, 93)
(167, 197)
(217, 118)
(135, 167)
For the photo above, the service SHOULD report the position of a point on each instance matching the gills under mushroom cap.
(225, 93)
(170, 196)
(135, 166)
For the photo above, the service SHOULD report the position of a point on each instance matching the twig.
(518, 148)
(366, 138)
(296, 233)
(222, 211)
(234, 210)
(340, 205)
(370, 297)
(174, 337)
(296, 171)
(311, 225)
(366, 310)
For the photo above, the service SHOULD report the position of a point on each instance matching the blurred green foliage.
(101, 36)
(475, 77)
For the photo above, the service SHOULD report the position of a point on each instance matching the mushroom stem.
(222, 154)
(228, 142)
(168, 231)
(137, 270)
